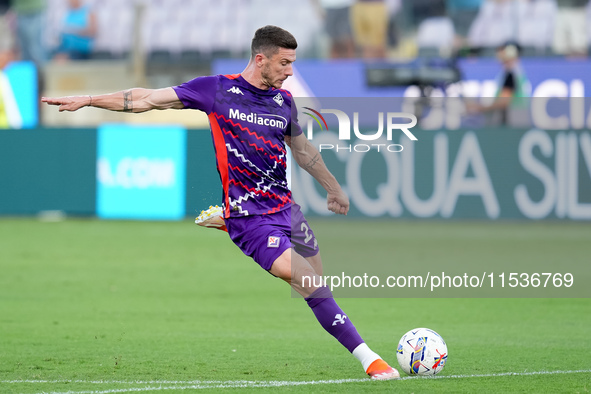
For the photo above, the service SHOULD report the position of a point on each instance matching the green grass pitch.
(90, 306)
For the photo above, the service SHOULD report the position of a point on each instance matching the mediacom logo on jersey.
(259, 119)
(345, 130)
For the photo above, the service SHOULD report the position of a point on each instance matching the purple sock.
(332, 318)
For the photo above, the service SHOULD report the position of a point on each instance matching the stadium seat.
(302, 21)
(55, 12)
(115, 21)
(188, 28)
(194, 58)
(536, 26)
(435, 36)
(494, 25)
(103, 55)
(160, 56)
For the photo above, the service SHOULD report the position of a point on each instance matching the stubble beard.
(267, 80)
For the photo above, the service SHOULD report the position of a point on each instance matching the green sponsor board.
(203, 182)
(56, 170)
(47, 170)
(484, 174)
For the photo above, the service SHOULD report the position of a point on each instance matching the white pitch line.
(217, 384)
(198, 382)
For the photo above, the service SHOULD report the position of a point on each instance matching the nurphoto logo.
(392, 123)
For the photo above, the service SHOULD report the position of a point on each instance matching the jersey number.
(306, 231)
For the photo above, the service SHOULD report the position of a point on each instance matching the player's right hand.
(338, 202)
(70, 103)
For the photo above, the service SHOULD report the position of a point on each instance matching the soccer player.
(252, 119)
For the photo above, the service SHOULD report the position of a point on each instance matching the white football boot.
(212, 217)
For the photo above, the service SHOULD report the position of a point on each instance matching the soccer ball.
(421, 352)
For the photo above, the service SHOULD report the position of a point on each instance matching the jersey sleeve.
(198, 93)
(293, 129)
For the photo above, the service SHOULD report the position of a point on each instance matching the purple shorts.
(266, 237)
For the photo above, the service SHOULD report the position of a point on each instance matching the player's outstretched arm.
(133, 100)
(308, 157)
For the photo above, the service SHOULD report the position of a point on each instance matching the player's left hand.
(72, 103)
(338, 202)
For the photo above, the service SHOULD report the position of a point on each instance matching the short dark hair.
(268, 39)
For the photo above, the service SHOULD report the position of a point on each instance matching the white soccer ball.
(421, 352)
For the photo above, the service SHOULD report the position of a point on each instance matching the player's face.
(278, 67)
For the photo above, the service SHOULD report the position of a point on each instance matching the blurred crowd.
(40, 30)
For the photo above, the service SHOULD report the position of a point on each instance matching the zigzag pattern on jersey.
(261, 189)
(258, 148)
(286, 198)
(265, 174)
(273, 210)
(243, 171)
(278, 207)
(243, 128)
(277, 159)
(243, 159)
(243, 211)
(260, 185)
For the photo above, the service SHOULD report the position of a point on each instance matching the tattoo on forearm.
(313, 162)
(127, 101)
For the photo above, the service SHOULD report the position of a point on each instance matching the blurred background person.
(510, 104)
(6, 34)
(78, 32)
(6, 47)
(30, 25)
(393, 33)
(370, 27)
(570, 31)
(337, 24)
(462, 14)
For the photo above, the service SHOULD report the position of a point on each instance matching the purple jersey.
(248, 127)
